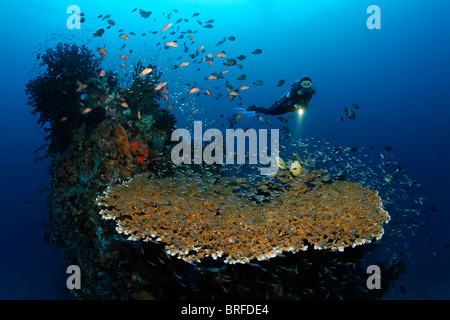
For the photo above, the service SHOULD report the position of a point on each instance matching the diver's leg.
(257, 109)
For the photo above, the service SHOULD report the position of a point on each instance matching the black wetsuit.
(288, 101)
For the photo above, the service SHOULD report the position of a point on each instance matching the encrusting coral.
(123, 146)
(197, 215)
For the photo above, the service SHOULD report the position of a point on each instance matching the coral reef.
(110, 147)
(195, 221)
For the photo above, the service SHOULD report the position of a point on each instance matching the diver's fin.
(245, 112)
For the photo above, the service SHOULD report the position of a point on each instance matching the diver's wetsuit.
(296, 95)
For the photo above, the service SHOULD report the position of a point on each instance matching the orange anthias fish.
(221, 55)
(208, 92)
(124, 104)
(191, 37)
(139, 115)
(200, 49)
(210, 62)
(167, 26)
(194, 111)
(243, 88)
(122, 64)
(124, 37)
(160, 86)
(145, 72)
(171, 44)
(102, 51)
(183, 64)
(208, 204)
(233, 93)
(211, 77)
(240, 115)
(102, 73)
(223, 71)
(194, 90)
(85, 111)
(80, 85)
(124, 56)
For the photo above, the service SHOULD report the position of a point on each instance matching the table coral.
(198, 216)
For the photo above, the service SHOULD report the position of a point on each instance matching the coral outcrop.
(110, 152)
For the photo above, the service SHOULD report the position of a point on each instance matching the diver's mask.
(305, 84)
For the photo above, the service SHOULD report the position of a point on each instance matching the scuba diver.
(297, 97)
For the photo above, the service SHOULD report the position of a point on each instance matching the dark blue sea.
(395, 66)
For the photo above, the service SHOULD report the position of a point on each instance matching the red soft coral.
(140, 151)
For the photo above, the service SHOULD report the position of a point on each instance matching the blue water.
(398, 75)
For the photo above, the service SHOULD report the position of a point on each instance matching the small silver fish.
(262, 119)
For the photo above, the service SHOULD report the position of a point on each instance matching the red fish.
(102, 51)
(80, 85)
(144, 72)
(167, 26)
(160, 86)
(171, 44)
